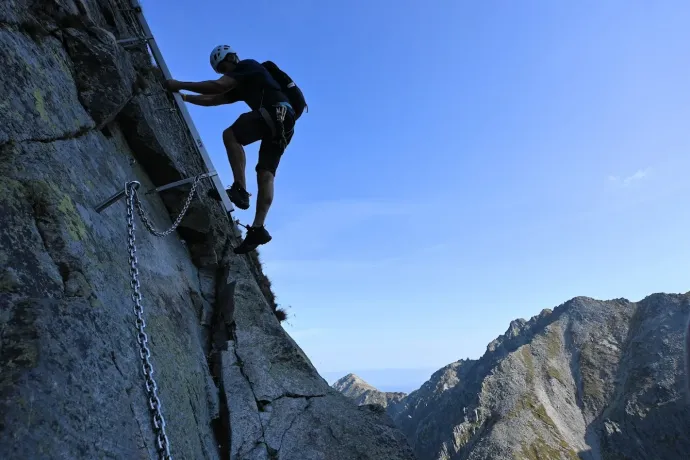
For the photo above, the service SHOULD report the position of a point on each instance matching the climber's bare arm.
(206, 100)
(222, 85)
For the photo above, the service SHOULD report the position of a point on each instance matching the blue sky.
(462, 164)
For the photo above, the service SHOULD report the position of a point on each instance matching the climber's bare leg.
(236, 157)
(264, 181)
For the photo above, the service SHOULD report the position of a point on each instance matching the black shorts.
(252, 126)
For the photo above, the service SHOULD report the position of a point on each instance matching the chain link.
(147, 222)
(142, 338)
(144, 352)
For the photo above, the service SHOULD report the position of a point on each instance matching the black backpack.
(289, 87)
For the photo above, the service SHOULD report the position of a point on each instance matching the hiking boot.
(255, 236)
(238, 196)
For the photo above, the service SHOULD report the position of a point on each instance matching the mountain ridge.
(576, 381)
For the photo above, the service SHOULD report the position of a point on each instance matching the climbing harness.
(281, 111)
(278, 134)
(133, 202)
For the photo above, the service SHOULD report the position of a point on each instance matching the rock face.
(363, 394)
(590, 380)
(79, 117)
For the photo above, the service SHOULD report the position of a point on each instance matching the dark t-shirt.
(255, 85)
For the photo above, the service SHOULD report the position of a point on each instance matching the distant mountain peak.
(352, 377)
(352, 380)
(357, 389)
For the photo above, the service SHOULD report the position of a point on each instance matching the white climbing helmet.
(218, 54)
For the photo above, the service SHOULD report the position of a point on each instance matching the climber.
(271, 120)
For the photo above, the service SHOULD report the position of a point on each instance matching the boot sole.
(240, 206)
(213, 193)
(239, 203)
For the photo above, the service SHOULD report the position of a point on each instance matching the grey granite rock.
(40, 100)
(103, 74)
(38, 13)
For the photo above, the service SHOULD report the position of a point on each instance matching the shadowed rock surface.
(591, 379)
(80, 116)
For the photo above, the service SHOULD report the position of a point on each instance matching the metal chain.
(142, 338)
(175, 224)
